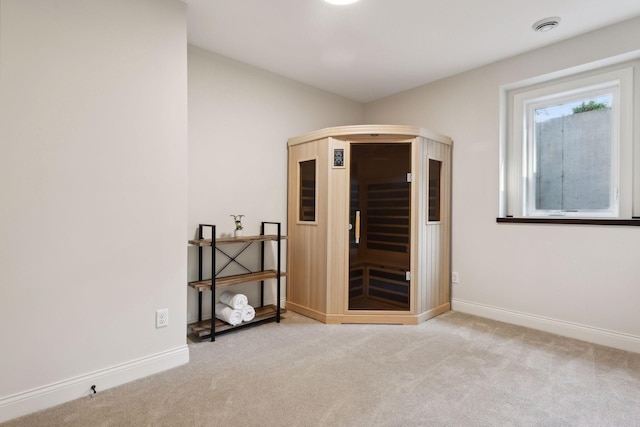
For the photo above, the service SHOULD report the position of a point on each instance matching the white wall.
(240, 118)
(93, 195)
(582, 281)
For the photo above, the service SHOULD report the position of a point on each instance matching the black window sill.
(635, 221)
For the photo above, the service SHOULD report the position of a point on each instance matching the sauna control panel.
(338, 157)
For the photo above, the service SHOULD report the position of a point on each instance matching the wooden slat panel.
(306, 251)
(418, 264)
(356, 282)
(338, 192)
(386, 230)
(446, 220)
(389, 284)
(437, 235)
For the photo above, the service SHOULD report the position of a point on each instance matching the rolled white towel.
(228, 314)
(235, 301)
(248, 313)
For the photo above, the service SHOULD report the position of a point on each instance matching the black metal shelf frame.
(232, 259)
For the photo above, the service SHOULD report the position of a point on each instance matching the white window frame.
(551, 96)
(516, 183)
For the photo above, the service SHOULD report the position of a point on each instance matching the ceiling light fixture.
(341, 2)
(546, 24)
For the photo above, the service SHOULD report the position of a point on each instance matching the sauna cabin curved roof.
(369, 132)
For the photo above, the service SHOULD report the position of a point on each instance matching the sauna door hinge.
(407, 275)
(409, 177)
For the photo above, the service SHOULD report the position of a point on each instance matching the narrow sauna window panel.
(307, 208)
(435, 171)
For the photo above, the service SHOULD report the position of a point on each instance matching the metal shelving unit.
(264, 313)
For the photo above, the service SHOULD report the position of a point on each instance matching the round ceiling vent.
(546, 24)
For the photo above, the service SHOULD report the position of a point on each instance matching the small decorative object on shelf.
(238, 220)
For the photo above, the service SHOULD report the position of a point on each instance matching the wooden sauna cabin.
(369, 224)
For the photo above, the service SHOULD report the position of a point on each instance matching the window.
(307, 197)
(435, 168)
(569, 148)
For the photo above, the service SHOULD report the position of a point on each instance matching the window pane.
(308, 190)
(435, 167)
(572, 163)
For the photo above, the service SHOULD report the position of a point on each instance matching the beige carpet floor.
(454, 370)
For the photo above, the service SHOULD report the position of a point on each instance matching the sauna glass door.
(380, 224)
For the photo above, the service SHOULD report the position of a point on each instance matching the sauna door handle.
(357, 227)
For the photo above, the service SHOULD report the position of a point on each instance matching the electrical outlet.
(455, 277)
(162, 318)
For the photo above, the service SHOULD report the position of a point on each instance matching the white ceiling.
(375, 48)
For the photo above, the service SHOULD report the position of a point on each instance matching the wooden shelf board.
(203, 329)
(388, 242)
(387, 291)
(378, 263)
(243, 239)
(202, 285)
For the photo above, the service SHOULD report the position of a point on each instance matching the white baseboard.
(591, 334)
(73, 388)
